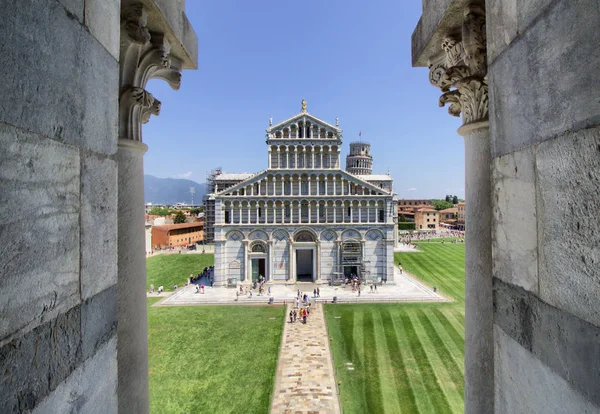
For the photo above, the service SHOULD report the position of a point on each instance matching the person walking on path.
(359, 291)
(297, 303)
(291, 316)
(318, 292)
(314, 293)
(295, 315)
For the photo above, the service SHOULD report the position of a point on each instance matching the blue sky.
(349, 59)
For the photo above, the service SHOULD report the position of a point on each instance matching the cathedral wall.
(281, 257)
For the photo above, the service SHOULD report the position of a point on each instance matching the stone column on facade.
(270, 259)
(132, 350)
(269, 152)
(246, 259)
(360, 211)
(462, 76)
(143, 56)
(318, 262)
(290, 261)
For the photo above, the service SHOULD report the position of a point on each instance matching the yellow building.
(448, 215)
(426, 219)
(460, 216)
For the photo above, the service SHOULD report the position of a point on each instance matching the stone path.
(305, 382)
(403, 288)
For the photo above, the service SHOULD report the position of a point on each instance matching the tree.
(441, 204)
(455, 200)
(158, 211)
(179, 217)
(448, 198)
(194, 211)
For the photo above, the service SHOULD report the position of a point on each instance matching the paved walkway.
(305, 382)
(404, 288)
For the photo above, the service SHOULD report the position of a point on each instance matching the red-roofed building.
(175, 235)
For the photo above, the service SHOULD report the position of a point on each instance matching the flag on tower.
(360, 134)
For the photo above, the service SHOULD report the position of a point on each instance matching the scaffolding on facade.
(209, 205)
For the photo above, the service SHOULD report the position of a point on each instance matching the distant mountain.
(171, 190)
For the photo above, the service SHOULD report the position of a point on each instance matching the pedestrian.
(314, 293)
(304, 316)
(237, 295)
(359, 291)
(375, 286)
(295, 315)
(202, 288)
(291, 316)
(297, 303)
(251, 294)
(269, 291)
(318, 292)
(151, 288)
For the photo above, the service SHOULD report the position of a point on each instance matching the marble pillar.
(132, 353)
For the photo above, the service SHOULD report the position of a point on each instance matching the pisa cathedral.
(304, 218)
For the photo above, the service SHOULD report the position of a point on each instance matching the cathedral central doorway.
(258, 268)
(304, 265)
(350, 271)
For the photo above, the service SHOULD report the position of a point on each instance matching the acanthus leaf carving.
(462, 73)
(453, 98)
(144, 55)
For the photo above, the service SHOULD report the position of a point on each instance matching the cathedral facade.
(303, 218)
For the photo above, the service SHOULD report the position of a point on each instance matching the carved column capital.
(144, 55)
(462, 72)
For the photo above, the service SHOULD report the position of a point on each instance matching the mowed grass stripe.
(388, 377)
(443, 348)
(372, 384)
(404, 391)
(436, 395)
(416, 380)
(442, 370)
(450, 328)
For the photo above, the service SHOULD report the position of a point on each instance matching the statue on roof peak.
(303, 105)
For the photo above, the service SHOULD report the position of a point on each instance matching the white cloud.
(411, 189)
(184, 175)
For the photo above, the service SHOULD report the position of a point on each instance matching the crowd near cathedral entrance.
(304, 218)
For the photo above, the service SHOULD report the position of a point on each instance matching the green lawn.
(407, 358)
(213, 359)
(441, 265)
(174, 269)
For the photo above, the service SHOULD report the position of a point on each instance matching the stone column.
(461, 74)
(269, 151)
(132, 353)
(143, 55)
(290, 261)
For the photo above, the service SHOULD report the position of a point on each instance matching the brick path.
(305, 382)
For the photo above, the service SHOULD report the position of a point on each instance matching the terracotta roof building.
(171, 235)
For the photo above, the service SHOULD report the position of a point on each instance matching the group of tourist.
(304, 311)
(158, 291)
(259, 284)
(207, 273)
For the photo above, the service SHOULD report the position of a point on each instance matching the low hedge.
(407, 225)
